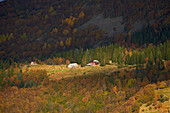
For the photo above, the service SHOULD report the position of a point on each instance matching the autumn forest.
(39, 39)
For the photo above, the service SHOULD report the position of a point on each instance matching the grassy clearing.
(161, 107)
(56, 72)
(165, 91)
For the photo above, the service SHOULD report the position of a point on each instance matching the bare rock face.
(110, 26)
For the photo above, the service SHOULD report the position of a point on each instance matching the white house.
(33, 63)
(73, 65)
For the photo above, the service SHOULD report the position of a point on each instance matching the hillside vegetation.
(129, 38)
(122, 90)
(41, 27)
(112, 88)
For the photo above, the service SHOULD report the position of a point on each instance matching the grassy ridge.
(121, 90)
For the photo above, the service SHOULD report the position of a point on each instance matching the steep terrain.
(40, 27)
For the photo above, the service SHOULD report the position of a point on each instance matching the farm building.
(33, 63)
(94, 63)
(73, 65)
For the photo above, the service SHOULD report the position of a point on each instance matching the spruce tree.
(132, 59)
(120, 59)
(26, 85)
(86, 58)
(31, 83)
(137, 58)
(96, 54)
(168, 51)
(142, 57)
(114, 56)
(151, 59)
(75, 55)
(127, 60)
(103, 59)
(158, 54)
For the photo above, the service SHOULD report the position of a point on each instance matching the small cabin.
(73, 65)
(94, 63)
(33, 63)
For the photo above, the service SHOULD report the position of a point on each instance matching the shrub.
(135, 108)
(162, 98)
(162, 85)
(45, 82)
(131, 83)
(26, 85)
(31, 83)
(148, 93)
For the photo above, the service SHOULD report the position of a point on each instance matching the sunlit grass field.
(56, 72)
(164, 106)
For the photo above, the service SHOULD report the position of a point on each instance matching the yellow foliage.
(64, 94)
(162, 84)
(75, 30)
(73, 19)
(130, 53)
(55, 30)
(65, 32)
(68, 41)
(69, 21)
(49, 45)
(67, 110)
(81, 15)
(115, 89)
(61, 43)
(85, 99)
(45, 46)
(14, 87)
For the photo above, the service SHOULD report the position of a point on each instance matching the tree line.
(119, 54)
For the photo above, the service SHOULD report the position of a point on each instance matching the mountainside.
(40, 27)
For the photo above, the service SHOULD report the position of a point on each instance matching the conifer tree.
(137, 58)
(142, 57)
(168, 53)
(120, 59)
(86, 58)
(132, 59)
(96, 54)
(75, 55)
(163, 50)
(115, 55)
(26, 85)
(158, 54)
(151, 59)
(103, 59)
(127, 60)
(31, 83)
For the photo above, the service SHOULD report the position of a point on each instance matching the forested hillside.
(38, 28)
(128, 39)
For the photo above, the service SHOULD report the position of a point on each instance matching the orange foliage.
(14, 88)
(85, 99)
(147, 58)
(81, 15)
(17, 82)
(61, 43)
